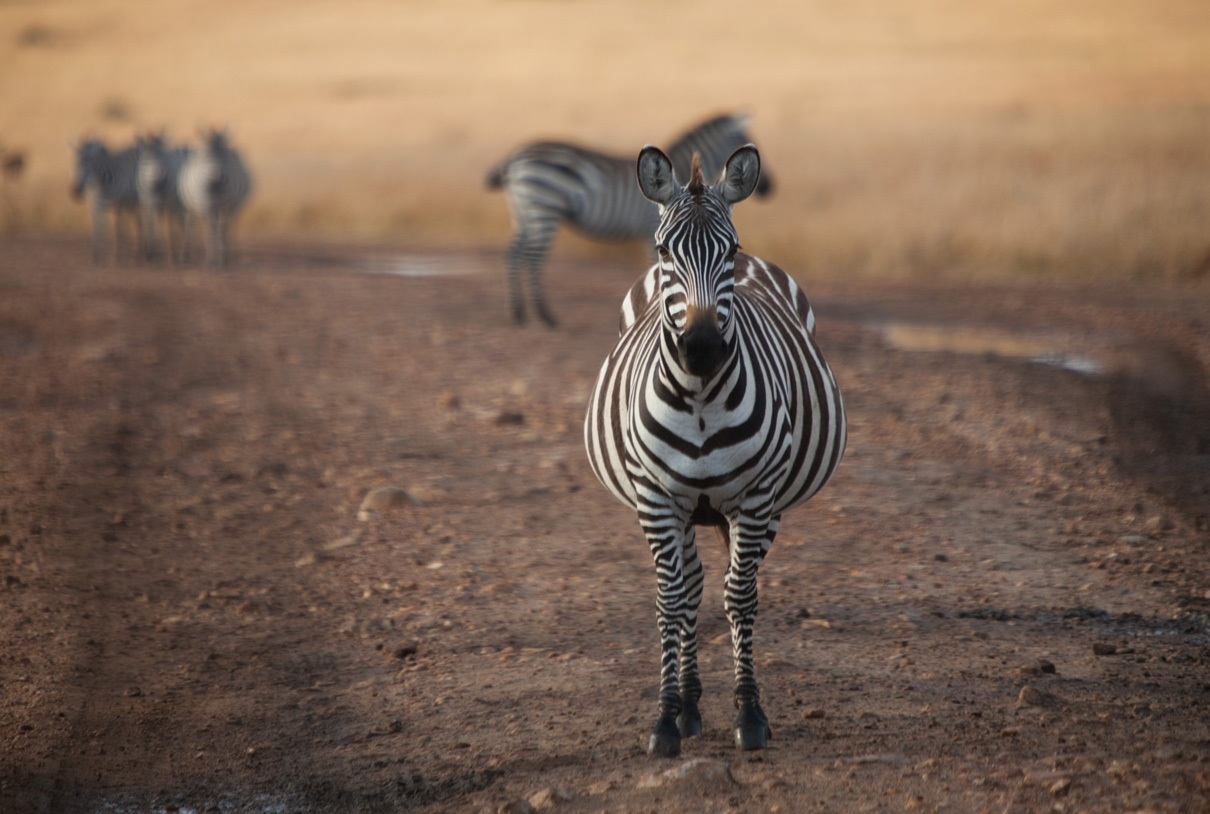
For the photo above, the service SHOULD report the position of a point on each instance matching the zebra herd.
(152, 182)
(716, 407)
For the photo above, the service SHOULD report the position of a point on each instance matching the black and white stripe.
(157, 176)
(107, 181)
(551, 182)
(213, 186)
(717, 408)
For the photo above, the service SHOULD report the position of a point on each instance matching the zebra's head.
(91, 157)
(696, 246)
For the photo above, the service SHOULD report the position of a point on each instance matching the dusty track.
(193, 617)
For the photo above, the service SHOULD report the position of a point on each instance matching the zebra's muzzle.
(702, 348)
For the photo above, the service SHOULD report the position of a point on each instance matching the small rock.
(508, 418)
(1104, 649)
(1031, 696)
(701, 771)
(810, 714)
(1060, 787)
(449, 401)
(601, 786)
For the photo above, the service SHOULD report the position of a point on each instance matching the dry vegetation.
(935, 138)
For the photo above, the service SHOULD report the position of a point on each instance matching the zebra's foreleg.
(689, 722)
(214, 240)
(98, 234)
(666, 540)
(751, 536)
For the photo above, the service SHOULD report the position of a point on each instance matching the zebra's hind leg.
(665, 536)
(689, 722)
(751, 537)
(516, 298)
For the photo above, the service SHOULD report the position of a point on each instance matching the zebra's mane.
(697, 183)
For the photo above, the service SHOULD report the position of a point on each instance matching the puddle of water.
(932, 339)
(415, 265)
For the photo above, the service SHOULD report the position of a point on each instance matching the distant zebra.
(716, 408)
(107, 180)
(552, 182)
(159, 170)
(214, 185)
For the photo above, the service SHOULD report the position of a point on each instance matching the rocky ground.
(1000, 604)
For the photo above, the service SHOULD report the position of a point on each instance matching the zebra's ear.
(741, 174)
(656, 179)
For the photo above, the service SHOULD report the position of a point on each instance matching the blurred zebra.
(715, 408)
(107, 180)
(213, 186)
(553, 182)
(159, 169)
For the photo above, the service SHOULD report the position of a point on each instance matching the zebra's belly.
(695, 460)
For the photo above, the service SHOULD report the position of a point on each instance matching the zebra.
(715, 408)
(107, 180)
(213, 186)
(159, 169)
(552, 182)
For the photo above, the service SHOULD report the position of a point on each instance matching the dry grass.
(1005, 138)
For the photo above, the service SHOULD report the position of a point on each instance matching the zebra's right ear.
(656, 179)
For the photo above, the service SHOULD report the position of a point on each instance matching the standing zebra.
(716, 408)
(550, 182)
(159, 169)
(213, 186)
(107, 180)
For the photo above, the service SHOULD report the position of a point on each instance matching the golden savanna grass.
(931, 138)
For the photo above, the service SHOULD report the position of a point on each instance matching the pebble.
(384, 498)
(1104, 649)
(548, 797)
(810, 714)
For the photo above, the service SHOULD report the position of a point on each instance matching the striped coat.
(214, 185)
(549, 183)
(716, 407)
(107, 181)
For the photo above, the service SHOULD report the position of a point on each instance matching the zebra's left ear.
(740, 175)
(656, 179)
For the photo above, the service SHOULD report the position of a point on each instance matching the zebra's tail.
(497, 176)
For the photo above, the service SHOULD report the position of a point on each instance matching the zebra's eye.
(732, 251)
(662, 251)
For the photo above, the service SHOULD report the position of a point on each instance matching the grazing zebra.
(107, 179)
(159, 169)
(213, 185)
(716, 408)
(551, 182)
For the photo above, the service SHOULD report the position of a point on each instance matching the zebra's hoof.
(546, 316)
(689, 722)
(751, 728)
(665, 739)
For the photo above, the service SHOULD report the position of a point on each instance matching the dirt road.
(1001, 603)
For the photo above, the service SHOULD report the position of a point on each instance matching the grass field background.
(935, 138)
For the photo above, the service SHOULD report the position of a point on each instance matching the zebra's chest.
(692, 445)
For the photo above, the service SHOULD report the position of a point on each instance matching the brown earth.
(1001, 603)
